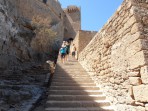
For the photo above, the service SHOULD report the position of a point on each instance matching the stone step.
(75, 97)
(72, 77)
(74, 88)
(72, 84)
(71, 74)
(68, 104)
(13, 77)
(73, 81)
(68, 69)
(78, 109)
(74, 65)
(75, 92)
(78, 67)
(76, 72)
(71, 69)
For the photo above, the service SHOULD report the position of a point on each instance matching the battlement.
(72, 8)
(72, 16)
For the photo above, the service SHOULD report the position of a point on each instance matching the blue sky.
(94, 13)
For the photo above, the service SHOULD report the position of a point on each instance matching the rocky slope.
(17, 33)
(21, 72)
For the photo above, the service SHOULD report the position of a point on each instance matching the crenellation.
(73, 17)
(71, 9)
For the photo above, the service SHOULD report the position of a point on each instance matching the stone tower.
(72, 21)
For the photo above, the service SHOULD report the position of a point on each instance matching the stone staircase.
(73, 90)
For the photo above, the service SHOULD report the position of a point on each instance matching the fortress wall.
(117, 58)
(69, 31)
(75, 19)
(72, 21)
(82, 39)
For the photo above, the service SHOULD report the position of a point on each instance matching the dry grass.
(44, 35)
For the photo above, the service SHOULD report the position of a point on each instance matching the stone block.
(130, 22)
(140, 44)
(133, 48)
(130, 101)
(141, 93)
(135, 80)
(133, 10)
(145, 20)
(128, 39)
(146, 56)
(129, 4)
(146, 107)
(144, 74)
(130, 90)
(112, 80)
(144, 44)
(139, 104)
(137, 60)
(136, 27)
(134, 74)
(139, 108)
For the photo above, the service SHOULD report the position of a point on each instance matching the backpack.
(63, 50)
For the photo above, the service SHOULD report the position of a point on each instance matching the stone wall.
(116, 58)
(16, 32)
(82, 39)
(72, 21)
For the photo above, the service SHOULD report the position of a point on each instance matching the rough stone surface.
(20, 61)
(118, 52)
(72, 21)
(138, 59)
(82, 39)
(135, 81)
(144, 74)
(116, 57)
(17, 32)
(134, 74)
(146, 107)
(141, 93)
(24, 90)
